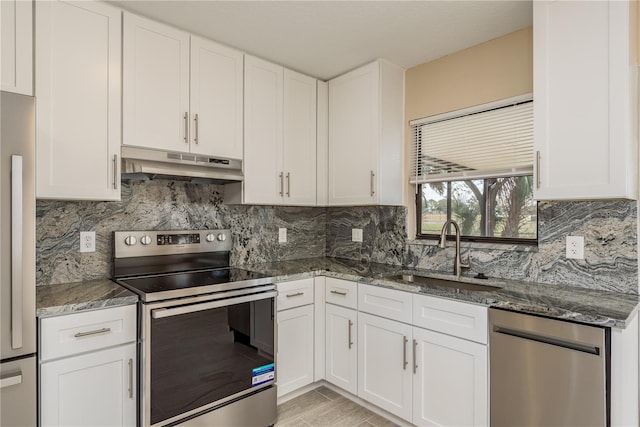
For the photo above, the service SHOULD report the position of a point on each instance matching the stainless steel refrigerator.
(17, 266)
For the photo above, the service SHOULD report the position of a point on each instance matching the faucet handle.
(467, 263)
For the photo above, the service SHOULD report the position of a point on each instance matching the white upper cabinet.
(366, 136)
(155, 85)
(181, 92)
(78, 109)
(280, 135)
(585, 95)
(216, 99)
(17, 46)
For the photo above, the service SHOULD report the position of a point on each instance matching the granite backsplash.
(609, 229)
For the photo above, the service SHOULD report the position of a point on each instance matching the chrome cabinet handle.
(97, 331)
(130, 379)
(195, 138)
(297, 294)
(12, 380)
(186, 128)
(373, 191)
(288, 184)
(350, 326)
(281, 184)
(415, 360)
(115, 171)
(538, 169)
(16, 251)
(344, 294)
(404, 353)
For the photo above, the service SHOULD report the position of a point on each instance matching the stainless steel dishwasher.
(547, 372)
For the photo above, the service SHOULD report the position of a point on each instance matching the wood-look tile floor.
(325, 407)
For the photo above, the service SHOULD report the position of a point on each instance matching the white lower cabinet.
(295, 348)
(93, 389)
(450, 384)
(384, 364)
(341, 355)
(88, 368)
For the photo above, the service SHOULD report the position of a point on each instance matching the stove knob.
(222, 237)
(210, 237)
(145, 240)
(130, 240)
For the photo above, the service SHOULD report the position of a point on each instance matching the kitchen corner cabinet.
(88, 368)
(341, 347)
(180, 92)
(366, 136)
(77, 53)
(280, 135)
(295, 318)
(17, 46)
(585, 127)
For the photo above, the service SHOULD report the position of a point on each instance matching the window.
(476, 167)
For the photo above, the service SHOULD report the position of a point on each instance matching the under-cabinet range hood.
(144, 164)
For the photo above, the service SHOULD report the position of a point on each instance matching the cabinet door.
(155, 85)
(78, 108)
(341, 357)
(384, 364)
(17, 46)
(450, 386)
(299, 139)
(354, 112)
(263, 169)
(584, 89)
(216, 99)
(295, 348)
(94, 389)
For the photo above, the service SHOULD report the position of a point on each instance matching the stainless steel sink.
(444, 283)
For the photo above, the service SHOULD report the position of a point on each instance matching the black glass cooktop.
(175, 285)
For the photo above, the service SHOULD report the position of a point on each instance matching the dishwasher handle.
(585, 348)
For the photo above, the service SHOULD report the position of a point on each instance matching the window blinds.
(494, 142)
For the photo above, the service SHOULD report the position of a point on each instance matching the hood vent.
(145, 164)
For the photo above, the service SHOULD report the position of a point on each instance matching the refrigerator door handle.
(16, 252)
(12, 380)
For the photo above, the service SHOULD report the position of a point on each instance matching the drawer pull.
(97, 331)
(12, 380)
(344, 294)
(297, 294)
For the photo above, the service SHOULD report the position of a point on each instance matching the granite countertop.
(576, 304)
(65, 298)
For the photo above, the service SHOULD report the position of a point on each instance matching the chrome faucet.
(458, 265)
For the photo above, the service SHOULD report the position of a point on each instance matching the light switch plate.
(575, 247)
(87, 241)
(356, 234)
(282, 235)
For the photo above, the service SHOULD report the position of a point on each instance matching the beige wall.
(497, 69)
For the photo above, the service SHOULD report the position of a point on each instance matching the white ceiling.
(327, 38)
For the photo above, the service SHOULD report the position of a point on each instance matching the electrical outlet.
(87, 241)
(575, 247)
(356, 234)
(282, 235)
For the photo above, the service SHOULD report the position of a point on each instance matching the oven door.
(199, 356)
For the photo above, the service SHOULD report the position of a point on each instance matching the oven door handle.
(160, 313)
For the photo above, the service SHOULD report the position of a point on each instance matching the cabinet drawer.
(389, 303)
(86, 331)
(454, 318)
(341, 292)
(295, 293)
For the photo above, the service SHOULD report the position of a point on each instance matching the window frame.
(477, 239)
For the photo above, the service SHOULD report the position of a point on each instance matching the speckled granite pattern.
(595, 307)
(611, 253)
(67, 298)
(167, 205)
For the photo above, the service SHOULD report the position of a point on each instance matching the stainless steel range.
(207, 333)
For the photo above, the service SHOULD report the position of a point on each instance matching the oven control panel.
(147, 243)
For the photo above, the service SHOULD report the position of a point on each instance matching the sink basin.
(444, 283)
